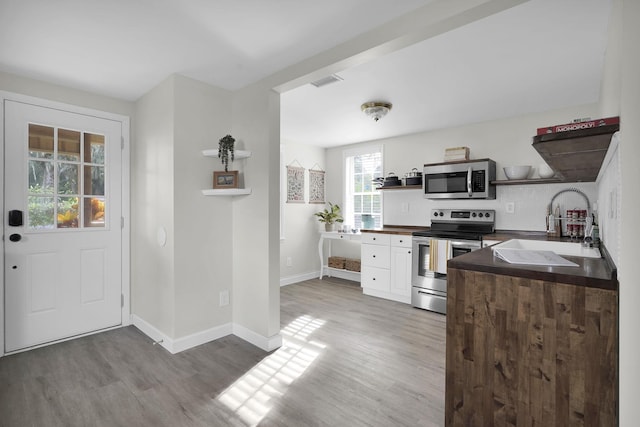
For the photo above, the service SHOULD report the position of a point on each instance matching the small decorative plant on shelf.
(225, 149)
(329, 216)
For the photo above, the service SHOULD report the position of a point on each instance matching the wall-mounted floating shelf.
(227, 192)
(528, 181)
(401, 187)
(238, 154)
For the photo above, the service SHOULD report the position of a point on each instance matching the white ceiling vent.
(333, 78)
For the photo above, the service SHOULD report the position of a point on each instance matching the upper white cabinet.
(238, 154)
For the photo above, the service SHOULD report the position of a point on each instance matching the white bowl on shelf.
(517, 172)
(544, 171)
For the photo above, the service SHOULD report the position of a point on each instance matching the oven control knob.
(435, 214)
(488, 214)
(441, 213)
(480, 215)
(474, 215)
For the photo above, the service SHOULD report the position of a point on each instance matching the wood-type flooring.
(347, 360)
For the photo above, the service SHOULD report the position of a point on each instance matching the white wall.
(630, 199)
(31, 87)
(256, 225)
(301, 231)
(176, 286)
(202, 224)
(152, 284)
(609, 201)
(507, 141)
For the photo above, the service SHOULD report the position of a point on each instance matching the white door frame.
(126, 240)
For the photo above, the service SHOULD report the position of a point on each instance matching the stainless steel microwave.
(460, 180)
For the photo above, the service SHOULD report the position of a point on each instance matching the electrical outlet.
(224, 298)
(289, 261)
(510, 207)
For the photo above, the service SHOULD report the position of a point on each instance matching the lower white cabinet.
(386, 266)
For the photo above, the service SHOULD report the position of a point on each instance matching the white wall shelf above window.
(238, 154)
(227, 192)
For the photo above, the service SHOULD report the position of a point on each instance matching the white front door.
(62, 245)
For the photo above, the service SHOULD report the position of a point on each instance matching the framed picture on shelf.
(222, 179)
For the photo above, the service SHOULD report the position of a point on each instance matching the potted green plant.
(329, 216)
(226, 149)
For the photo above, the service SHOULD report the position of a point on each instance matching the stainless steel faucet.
(588, 220)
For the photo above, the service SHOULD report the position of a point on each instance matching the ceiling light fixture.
(376, 110)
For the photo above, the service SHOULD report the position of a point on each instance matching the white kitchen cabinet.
(375, 255)
(386, 266)
(376, 280)
(400, 274)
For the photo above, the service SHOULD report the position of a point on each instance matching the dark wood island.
(531, 345)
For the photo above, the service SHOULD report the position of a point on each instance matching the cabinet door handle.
(374, 278)
(374, 256)
(401, 241)
(408, 252)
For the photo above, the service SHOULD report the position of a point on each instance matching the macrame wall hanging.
(316, 185)
(295, 183)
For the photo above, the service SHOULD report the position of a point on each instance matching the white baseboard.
(152, 332)
(174, 346)
(267, 344)
(201, 337)
(290, 280)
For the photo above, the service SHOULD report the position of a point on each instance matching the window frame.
(348, 180)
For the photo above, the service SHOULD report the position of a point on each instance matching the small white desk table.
(334, 235)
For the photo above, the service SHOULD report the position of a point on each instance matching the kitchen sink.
(560, 248)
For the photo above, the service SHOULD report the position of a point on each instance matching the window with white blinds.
(363, 203)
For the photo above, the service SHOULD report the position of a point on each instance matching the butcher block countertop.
(394, 229)
(591, 272)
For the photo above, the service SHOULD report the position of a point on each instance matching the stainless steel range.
(453, 232)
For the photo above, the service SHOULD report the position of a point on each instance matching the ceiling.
(124, 48)
(541, 55)
(538, 56)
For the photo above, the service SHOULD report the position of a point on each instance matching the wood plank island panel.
(524, 352)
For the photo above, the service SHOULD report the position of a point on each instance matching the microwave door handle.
(469, 174)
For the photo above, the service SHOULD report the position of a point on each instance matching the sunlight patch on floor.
(251, 395)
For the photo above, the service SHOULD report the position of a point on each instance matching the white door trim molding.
(126, 230)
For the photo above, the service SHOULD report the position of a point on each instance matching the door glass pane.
(94, 180)
(40, 141)
(40, 177)
(41, 212)
(94, 212)
(67, 178)
(68, 145)
(67, 212)
(94, 148)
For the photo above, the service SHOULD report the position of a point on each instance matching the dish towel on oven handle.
(439, 253)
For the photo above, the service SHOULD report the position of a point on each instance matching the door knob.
(15, 237)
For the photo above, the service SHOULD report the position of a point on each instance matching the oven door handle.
(433, 293)
(465, 245)
(469, 174)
